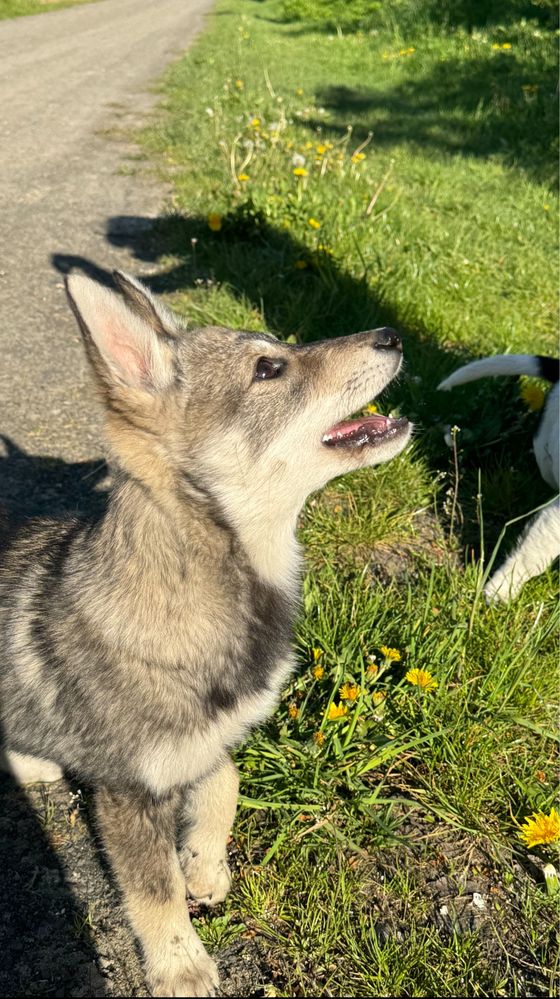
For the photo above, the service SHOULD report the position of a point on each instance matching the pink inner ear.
(123, 349)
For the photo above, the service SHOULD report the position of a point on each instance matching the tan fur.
(209, 816)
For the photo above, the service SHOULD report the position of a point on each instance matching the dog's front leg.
(139, 836)
(209, 811)
(539, 545)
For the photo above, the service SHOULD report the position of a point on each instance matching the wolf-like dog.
(138, 648)
(539, 544)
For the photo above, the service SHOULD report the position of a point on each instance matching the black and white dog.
(540, 542)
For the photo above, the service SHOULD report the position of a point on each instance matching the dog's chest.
(233, 687)
(175, 759)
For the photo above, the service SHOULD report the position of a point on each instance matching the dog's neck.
(264, 521)
(175, 527)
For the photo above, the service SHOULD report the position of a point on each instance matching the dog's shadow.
(41, 486)
(44, 938)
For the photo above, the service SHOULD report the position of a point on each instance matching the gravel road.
(68, 80)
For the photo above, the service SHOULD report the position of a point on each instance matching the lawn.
(332, 173)
(17, 8)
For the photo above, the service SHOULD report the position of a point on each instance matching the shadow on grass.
(328, 16)
(502, 105)
(475, 108)
(469, 14)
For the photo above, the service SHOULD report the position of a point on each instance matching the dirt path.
(67, 79)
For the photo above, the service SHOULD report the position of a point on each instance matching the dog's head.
(255, 422)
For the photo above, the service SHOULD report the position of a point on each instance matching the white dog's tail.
(504, 364)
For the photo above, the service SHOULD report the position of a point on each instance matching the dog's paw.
(196, 977)
(500, 588)
(207, 881)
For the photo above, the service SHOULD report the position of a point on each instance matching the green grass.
(18, 8)
(445, 228)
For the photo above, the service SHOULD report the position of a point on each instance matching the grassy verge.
(18, 8)
(327, 180)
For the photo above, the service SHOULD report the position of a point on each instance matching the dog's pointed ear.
(145, 305)
(128, 349)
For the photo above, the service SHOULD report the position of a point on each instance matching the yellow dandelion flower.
(301, 265)
(349, 692)
(293, 710)
(533, 396)
(318, 738)
(318, 671)
(308, 145)
(540, 828)
(506, 45)
(337, 711)
(300, 172)
(495, 45)
(358, 157)
(321, 149)
(255, 122)
(378, 697)
(421, 678)
(239, 84)
(243, 177)
(313, 223)
(372, 670)
(214, 221)
(316, 653)
(372, 408)
(392, 654)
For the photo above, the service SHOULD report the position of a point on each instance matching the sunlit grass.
(18, 8)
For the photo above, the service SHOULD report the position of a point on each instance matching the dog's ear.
(145, 305)
(129, 349)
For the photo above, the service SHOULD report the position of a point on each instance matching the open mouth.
(370, 431)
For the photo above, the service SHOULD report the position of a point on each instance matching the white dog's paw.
(500, 587)
(208, 880)
(196, 976)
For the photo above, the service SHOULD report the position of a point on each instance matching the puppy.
(138, 647)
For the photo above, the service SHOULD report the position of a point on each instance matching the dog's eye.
(268, 367)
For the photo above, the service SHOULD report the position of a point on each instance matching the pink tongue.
(376, 422)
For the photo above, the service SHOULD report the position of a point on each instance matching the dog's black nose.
(386, 339)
